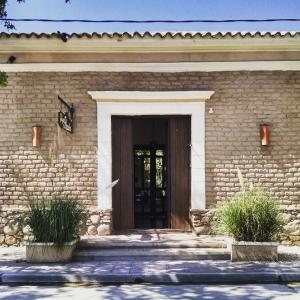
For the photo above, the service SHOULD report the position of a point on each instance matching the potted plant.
(55, 225)
(252, 219)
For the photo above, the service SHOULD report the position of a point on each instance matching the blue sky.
(155, 9)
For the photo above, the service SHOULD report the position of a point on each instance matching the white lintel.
(150, 96)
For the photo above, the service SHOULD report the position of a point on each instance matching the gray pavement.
(207, 271)
(209, 292)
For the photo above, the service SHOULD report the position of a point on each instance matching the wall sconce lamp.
(265, 134)
(36, 136)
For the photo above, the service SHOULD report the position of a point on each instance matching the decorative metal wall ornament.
(65, 116)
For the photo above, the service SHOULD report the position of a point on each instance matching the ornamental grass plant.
(251, 215)
(56, 220)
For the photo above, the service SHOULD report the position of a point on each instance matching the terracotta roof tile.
(168, 34)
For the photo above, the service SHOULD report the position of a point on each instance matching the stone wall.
(203, 223)
(99, 222)
(67, 163)
(13, 231)
(291, 233)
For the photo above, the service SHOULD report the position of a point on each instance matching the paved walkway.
(157, 292)
(18, 271)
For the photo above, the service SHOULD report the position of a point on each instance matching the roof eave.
(147, 44)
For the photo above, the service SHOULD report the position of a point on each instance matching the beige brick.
(242, 101)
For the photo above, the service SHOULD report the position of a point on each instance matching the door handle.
(114, 183)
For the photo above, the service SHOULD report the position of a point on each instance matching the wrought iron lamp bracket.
(66, 115)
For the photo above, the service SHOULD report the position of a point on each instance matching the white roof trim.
(150, 96)
(155, 67)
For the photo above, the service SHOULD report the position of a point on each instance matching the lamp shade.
(265, 134)
(36, 136)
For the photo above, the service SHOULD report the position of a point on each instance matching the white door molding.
(105, 110)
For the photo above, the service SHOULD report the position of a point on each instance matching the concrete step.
(156, 245)
(151, 254)
(152, 241)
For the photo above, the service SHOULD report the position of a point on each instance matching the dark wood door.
(122, 169)
(180, 177)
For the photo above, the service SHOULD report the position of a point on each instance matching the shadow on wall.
(42, 166)
(261, 169)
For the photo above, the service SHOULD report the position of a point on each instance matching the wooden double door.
(151, 159)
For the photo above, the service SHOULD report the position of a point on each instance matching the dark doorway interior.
(150, 151)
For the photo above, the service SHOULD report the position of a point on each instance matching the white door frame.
(138, 103)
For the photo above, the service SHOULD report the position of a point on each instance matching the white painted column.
(104, 173)
(198, 157)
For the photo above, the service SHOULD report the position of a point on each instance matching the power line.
(147, 21)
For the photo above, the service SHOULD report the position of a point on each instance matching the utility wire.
(148, 21)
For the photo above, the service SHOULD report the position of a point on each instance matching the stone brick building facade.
(243, 99)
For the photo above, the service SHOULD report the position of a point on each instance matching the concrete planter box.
(49, 252)
(254, 251)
